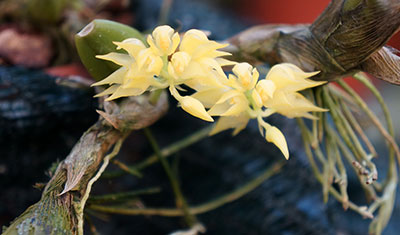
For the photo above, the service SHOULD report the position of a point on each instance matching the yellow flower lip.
(266, 89)
(180, 60)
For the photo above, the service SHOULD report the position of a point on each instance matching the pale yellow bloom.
(290, 78)
(133, 78)
(292, 105)
(197, 45)
(205, 62)
(283, 97)
(197, 64)
(195, 61)
(246, 77)
(249, 98)
(163, 40)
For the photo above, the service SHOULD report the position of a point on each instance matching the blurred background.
(46, 104)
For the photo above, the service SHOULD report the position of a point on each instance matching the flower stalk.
(181, 202)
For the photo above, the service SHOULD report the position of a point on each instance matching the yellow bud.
(275, 136)
(195, 108)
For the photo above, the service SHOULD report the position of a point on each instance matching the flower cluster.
(195, 61)
(246, 97)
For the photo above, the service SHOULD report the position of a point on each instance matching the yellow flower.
(205, 63)
(236, 101)
(197, 45)
(228, 98)
(198, 64)
(282, 97)
(163, 40)
(292, 105)
(290, 78)
(246, 77)
(137, 72)
(245, 98)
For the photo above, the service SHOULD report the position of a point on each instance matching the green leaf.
(97, 39)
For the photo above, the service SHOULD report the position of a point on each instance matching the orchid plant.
(195, 62)
(134, 73)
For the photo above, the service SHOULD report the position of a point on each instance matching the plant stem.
(386, 204)
(127, 169)
(202, 208)
(155, 95)
(307, 141)
(350, 117)
(166, 152)
(164, 13)
(180, 200)
(350, 138)
(122, 196)
(374, 118)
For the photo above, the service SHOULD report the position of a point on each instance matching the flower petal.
(209, 97)
(117, 58)
(292, 105)
(289, 77)
(131, 45)
(122, 92)
(116, 77)
(225, 123)
(163, 41)
(108, 91)
(224, 62)
(219, 109)
(256, 98)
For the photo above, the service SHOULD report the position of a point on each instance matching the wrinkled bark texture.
(347, 37)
